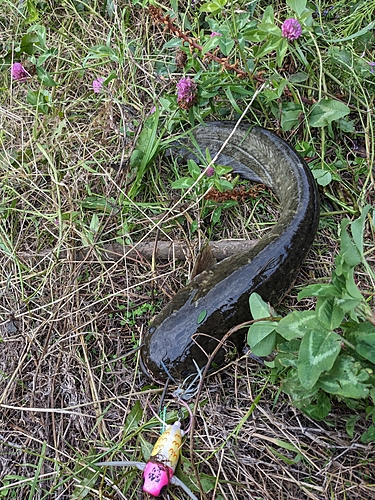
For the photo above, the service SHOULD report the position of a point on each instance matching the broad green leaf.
(319, 350)
(268, 47)
(194, 169)
(322, 177)
(45, 78)
(361, 329)
(346, 379)
(265, 346)
(147, 147)
(261, 338)
(347, 126)
(270, 29)
(146, 448)
(300, 396)
(351, 286)
(46, 55)
(211, 43)
(326, 111)
(39, 99)
(259, 308)
(254, 35)
(223, 185)
(223, 169)
(183, 183)
(133, 418)
(281, 51)
(297, 6)
(214, 6)
(369, 435)
(216, 214)
(319, 290)
(298, 77)
(165, 104)
(233, 99)
(172, 43)
(329, 313)
(296, 324)
(202, 315)
(32, 10)
(28, 43)
(366, 347)
(290, 115)
(101, 52)
(41, 32)
(320, 410)
(357, 229)
(349, 251)
(350, 424)
(185, 472)
(348, 303)
(268, 15)
(94, 224)
(226, 45)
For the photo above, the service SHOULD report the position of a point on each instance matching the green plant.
(200, 181)
(69, 155)
(329, 352)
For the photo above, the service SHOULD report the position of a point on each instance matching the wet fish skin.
(221, 294)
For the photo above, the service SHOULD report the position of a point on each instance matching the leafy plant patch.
(327, 354)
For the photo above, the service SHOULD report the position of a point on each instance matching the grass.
(73, 314)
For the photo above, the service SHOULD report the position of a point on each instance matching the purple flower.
(98, 84)
(215, 33)
(18, 72)
(291, 29)
(210, 171)
(186, 95)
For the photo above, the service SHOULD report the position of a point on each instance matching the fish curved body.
(200, 314)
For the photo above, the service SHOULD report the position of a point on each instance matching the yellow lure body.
(167, 447)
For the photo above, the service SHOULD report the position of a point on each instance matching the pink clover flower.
(291, 29)
(98, 84)
(18, 72)
(186, 93)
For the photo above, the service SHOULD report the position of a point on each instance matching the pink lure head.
(156, 478)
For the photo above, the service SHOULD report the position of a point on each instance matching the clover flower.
(18, 72)
(291, 29)
(186, 93)
(98, 84)
(210, 171)
(215, 33)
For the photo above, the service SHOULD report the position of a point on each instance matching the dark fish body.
(200, 314)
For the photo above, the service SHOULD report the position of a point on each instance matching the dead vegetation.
(71, 325)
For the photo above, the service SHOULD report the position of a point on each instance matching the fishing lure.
(159, 471)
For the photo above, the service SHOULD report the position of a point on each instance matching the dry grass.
(71, 321)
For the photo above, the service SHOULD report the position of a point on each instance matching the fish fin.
(205, 260)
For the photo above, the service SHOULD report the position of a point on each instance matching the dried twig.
(158, 16)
